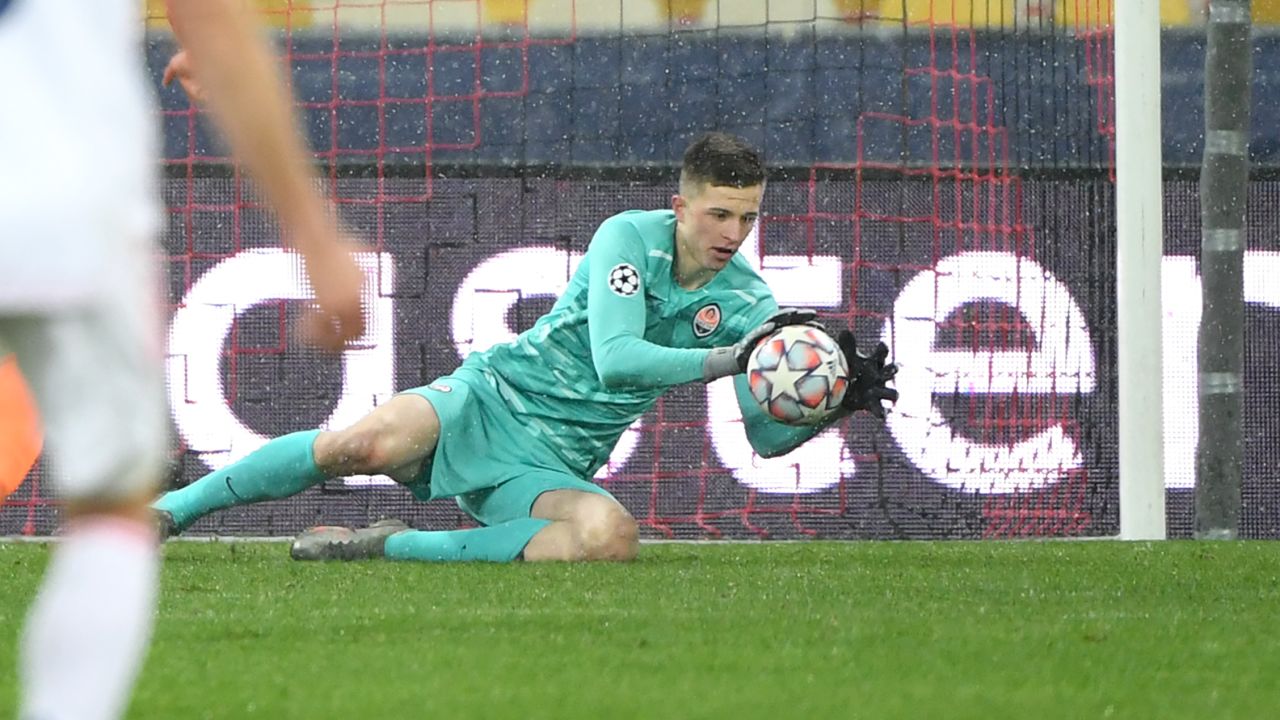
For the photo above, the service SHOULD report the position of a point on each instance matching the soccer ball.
(798, 375)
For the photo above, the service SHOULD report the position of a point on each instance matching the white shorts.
(96, 374)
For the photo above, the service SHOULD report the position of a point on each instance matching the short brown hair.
(717, 158)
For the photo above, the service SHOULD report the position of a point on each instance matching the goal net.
(940, 179)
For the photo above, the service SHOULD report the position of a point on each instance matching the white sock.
(89, 628)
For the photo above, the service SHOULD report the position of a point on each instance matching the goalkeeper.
(514, 434)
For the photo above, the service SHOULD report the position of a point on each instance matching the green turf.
(822, 630)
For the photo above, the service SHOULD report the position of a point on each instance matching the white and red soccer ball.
(798, 375)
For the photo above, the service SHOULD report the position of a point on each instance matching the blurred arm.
(247, 96)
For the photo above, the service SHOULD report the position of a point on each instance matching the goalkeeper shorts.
(486, 458)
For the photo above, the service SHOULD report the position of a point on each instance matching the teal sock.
(499, 543)
(283, 467)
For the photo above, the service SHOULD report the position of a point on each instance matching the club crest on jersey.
(706, 320)
(624, 280)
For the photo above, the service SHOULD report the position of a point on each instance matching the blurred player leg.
(95, 373)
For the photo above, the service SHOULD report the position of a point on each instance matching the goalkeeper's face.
(712, 221)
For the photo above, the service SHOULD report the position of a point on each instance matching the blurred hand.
(336, 280)
(179, 68)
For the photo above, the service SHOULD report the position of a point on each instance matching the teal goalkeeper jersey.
(623, 333)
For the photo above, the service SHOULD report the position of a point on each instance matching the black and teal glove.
(868, 375)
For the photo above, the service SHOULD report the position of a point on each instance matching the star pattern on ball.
(624, 280)
(783, 379)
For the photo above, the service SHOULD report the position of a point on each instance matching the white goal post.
(1140, 233)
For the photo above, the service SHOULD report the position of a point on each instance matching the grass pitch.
(818, 630)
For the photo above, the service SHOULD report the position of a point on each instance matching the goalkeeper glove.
(867, 377)
(732, 359)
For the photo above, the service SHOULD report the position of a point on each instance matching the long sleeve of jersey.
(768, 437)
(616, 317)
